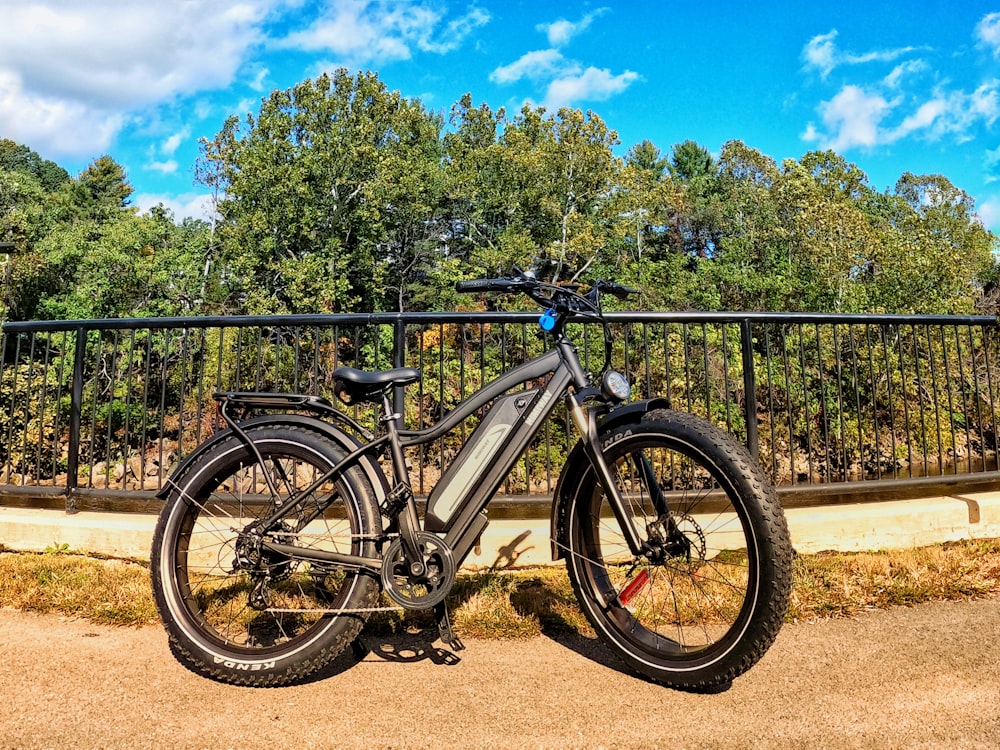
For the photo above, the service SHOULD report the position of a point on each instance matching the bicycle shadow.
(533, 598)
(399, 648)
(411, 637)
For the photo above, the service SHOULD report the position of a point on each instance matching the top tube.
(531, 370)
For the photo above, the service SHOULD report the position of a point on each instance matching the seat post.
(399, 361)
(391, 418)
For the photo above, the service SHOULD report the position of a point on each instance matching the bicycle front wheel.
(234, 610)
(706, 600)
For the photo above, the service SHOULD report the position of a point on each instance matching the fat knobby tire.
(767, 545)
(193, 642)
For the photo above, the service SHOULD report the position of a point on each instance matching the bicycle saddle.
(354, 386)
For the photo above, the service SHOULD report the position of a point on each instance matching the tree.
(314, 185)
(531, 188)
(102, 190)
(827, 230)
(693, 168)
(690, 161)
(751, 267)
(940, 253)
(16, 157)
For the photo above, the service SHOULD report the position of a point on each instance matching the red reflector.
(641, 579)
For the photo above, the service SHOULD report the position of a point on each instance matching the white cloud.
(163, 167)
(539, 64)
(954, 113)
(260, 74)
(904, 70)
(989, 214)
(592, 84)
(988, 32)
(562, 31)
(112, 54)
(852, 118)
(54, 124)
(188, 205)
(856, 117)
(566, 81)
(361, 32)
(457, 31)
(876, 111)
(70, 72)
(172, 143)
(822, 53)
(167, 149)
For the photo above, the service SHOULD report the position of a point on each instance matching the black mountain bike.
(279, 532)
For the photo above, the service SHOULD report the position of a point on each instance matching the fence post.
(749, 389)
(399, 360)
(75, 418)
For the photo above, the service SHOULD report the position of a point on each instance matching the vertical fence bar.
(749, 388)
(75, 420)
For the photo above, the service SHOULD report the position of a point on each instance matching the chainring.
(423, 591)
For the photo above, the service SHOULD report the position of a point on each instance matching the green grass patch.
(523, 604)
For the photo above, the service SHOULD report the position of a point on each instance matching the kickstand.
(359, 648)
(444, 628)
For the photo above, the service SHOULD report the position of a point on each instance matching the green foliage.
(15, 157)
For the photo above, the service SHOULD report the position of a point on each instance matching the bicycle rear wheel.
(707, 601)
(237, 612)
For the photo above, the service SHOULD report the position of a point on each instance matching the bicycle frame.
(456, 505)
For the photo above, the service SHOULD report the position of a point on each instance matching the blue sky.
(893, 86)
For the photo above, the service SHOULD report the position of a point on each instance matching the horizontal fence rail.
(829, 403)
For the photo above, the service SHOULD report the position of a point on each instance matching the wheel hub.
(675, 535)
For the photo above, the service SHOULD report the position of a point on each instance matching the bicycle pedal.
(445, 630)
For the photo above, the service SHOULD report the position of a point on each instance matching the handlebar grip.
(482, 285)
(618, 290)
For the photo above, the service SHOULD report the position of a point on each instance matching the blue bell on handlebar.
(547, 320)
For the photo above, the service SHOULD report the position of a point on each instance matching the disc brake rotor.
(687, 526)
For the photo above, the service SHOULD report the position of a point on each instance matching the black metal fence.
(830, 404)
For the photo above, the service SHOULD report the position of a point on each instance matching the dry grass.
(112, 592)
(526, 603)
(834, 584)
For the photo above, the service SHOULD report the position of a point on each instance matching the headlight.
(615, 386)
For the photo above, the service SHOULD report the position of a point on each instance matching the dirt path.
(922, 677)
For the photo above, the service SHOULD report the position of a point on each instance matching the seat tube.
(409, 522)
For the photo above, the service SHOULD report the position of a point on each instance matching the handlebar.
(563, 298)
(618, 290)
(561, 303)
(483, 285)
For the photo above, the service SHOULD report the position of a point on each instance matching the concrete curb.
(898, 524)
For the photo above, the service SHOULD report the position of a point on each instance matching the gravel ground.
(922, 677)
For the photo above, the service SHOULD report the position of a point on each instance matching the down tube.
(491, 474)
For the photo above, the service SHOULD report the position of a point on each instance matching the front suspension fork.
(586, 424)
